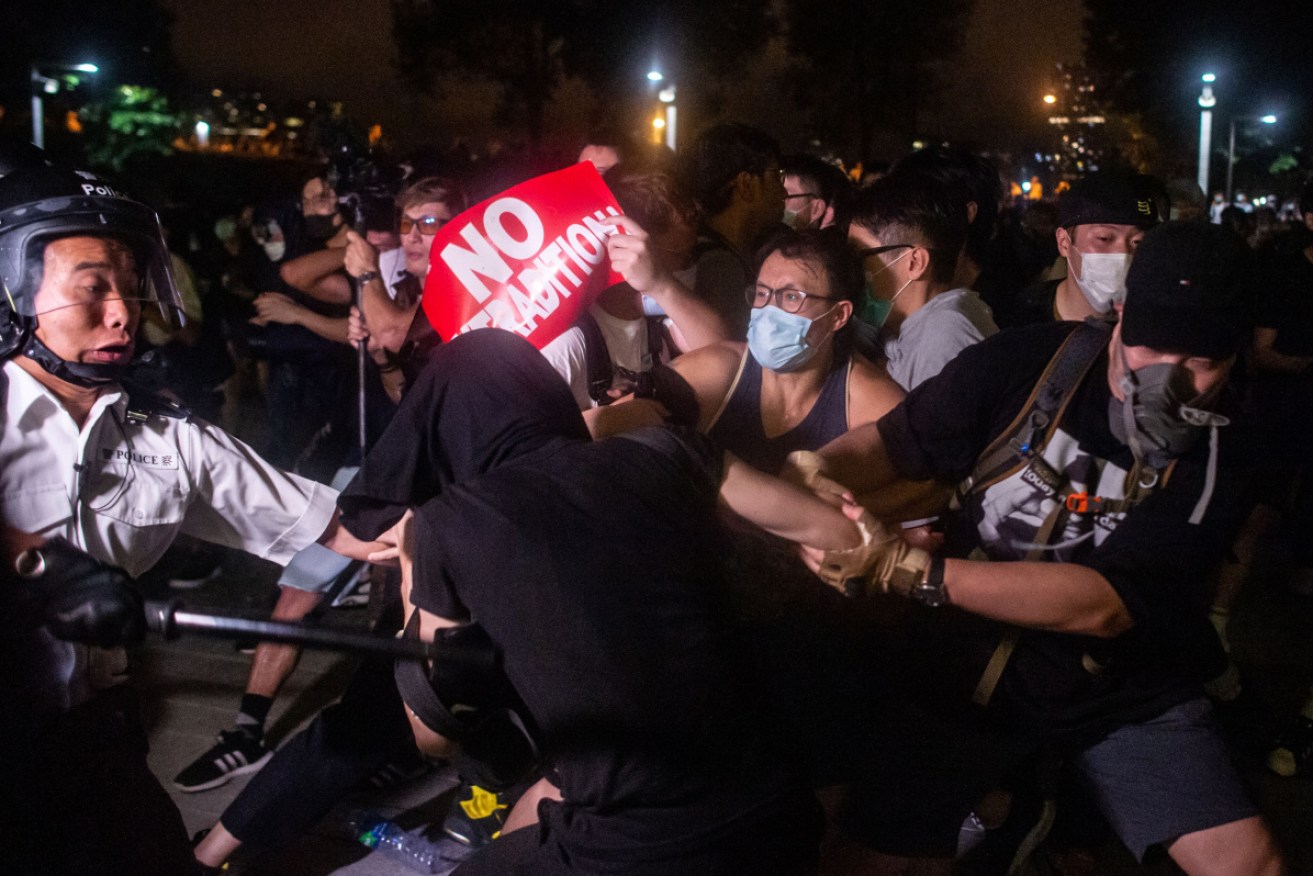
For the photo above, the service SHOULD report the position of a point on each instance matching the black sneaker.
(1294, 750)
(236, 754)
(476, 815)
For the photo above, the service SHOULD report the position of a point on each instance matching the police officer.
(117, 475)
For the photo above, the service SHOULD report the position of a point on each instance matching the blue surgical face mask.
(778, 340)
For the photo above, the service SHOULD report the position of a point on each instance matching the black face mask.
(320, 227)
(1162, 416)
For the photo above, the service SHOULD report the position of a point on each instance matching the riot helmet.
(40, 203)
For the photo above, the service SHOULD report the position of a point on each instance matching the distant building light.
(1209, 77)
(655, 76)
(203, 134)
(1050, 98)
(658, 123)
(918, 144)
(218, 92)
(1269, 119)
(86, 68)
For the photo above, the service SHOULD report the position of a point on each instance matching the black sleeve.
(701, 458)
(1159, 562)
(433, 589)
(941, 428)
(403, 464)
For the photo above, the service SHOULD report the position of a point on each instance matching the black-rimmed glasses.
(880, 250)
(788, 299)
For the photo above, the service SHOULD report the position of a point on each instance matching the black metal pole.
(170, 619)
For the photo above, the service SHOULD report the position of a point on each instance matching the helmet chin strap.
(76, 373)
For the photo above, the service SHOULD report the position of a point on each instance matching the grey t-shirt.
(931, 337)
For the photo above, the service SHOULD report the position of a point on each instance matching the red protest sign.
(529, 260)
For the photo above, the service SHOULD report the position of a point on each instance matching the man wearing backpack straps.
(1095, 494)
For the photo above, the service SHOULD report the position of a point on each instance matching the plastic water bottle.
(391, 840)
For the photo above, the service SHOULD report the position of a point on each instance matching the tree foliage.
(871, 63)
(527, 47)
(135, 120)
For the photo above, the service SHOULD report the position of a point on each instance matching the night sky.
(343, 49)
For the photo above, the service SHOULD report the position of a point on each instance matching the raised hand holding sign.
(529, 260)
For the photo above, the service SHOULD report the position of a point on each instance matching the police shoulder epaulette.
(145, 403)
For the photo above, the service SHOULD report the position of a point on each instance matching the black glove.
(80, 598)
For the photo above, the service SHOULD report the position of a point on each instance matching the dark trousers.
(80, 798)
(344, 745)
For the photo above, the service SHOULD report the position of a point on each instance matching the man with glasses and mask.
(908, 230)
(1096, 491)
(816, 192)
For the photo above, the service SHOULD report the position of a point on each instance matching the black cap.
(1111, 198)
(1189, 290)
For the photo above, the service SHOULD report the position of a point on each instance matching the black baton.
(169, 619)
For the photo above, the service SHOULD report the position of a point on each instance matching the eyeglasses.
(802, 195)
(880, 250)
(428, 225)
(788, 299)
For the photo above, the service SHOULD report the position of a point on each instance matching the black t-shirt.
(1032, 305)
(1285, 300)
(1156, 560)
(595, 568)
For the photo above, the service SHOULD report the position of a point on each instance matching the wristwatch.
(930, 592)
(366, 276)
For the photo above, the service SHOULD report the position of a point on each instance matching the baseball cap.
(1114, 198)
(1189, 290)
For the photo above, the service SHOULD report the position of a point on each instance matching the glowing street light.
(1268, 119)
(42, 84)
(1206, 103)
(667, 120)
(1050, 99)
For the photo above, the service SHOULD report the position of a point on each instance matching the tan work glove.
(883, 563)
(806, 469)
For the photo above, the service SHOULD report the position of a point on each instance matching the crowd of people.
(860, 529)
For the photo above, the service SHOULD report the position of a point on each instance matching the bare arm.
(710, 371)
(859, 460)
(631, 256)
(783, 509)
(276, 307)
(389, 322)
(319, 275)
(336, 537)
(1061, 597)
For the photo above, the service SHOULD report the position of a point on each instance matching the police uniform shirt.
(123, 490)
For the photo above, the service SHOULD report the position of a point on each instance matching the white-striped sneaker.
(236, 754)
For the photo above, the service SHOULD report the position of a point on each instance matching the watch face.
(930, 595)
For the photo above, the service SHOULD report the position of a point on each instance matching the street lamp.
(669, 118)
(1206, 103)
(1268, 119)
(42, 85)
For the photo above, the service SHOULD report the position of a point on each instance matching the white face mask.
(1102, 278)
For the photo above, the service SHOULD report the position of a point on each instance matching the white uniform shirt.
(122, 491)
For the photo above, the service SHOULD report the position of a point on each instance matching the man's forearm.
(1061, 597)
(307, 272)
(696, 320)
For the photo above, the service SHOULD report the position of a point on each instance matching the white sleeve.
(242, 501)
(567, 355)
